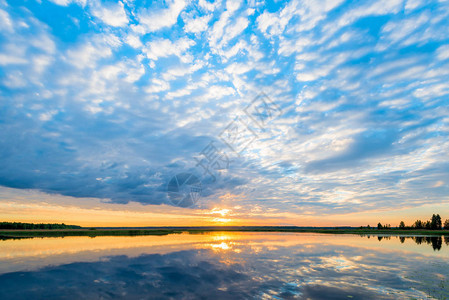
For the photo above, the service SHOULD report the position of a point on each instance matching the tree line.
(20, 225)
(435, 223)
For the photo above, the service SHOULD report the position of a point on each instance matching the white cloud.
(412, 4)
(398, 31)
(172, 73)
(86, 55)
(8, 59)
(313, 11)
(233, 30)
(375, 8)
(134, 41)
(155, 19)
(5, 21)
(41, 62)
(61, 2)
(178, 93)
(127, 70)
(324, 64)
(47, 116)
(432, 91)
(45, 43)
(238, 47)
(157, 86)
(218, 92)
(217, 31)
(443, 52)
(209, 6)
(274, 23)
(165, 47)
(15, 79)
(238, 68)
(310, 13)
(67, 2)
(110, 14)
(198, 24)
(289, 46)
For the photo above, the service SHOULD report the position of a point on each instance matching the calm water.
(226, 266)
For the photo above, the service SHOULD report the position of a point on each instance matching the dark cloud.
(367, 145)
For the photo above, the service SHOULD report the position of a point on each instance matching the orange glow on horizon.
(43, 208)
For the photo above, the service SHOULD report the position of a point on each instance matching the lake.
(226, 265)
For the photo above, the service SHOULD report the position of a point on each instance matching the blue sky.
(108, 100)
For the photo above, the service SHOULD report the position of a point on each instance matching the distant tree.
(435, 223)
(427, 225)
(369, 227)
(446, 224)
(418, 224)
(402, 225)
(379, 225)
(19, 225)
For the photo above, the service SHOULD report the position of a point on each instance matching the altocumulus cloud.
(110, 99)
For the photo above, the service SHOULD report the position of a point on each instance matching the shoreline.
(93, 232)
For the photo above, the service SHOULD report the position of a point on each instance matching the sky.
(104, 103)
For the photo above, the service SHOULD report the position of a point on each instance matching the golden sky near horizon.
(32, 206)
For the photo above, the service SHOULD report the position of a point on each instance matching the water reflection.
(435, 241)
(225, 266)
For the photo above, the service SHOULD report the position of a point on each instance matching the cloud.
(310, 13)
(114, 108)
(372, 9)
(157, 86)
(198, 24)
(248, 271)
(67, 2)
(113, 15)
(165, 47)
(5, 21)
(443, 52)
(365, 145)
(154, 19)
(89, 53)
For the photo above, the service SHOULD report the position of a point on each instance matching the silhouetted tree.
(19, 225)
(418, 224)
(435, 223)
(446, 224)
(427, 225)
(379, 226)
(402, 225)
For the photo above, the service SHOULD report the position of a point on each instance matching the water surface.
(226, 265)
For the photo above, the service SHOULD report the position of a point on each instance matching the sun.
(221, 220)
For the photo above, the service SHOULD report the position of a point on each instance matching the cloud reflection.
(247, 266)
